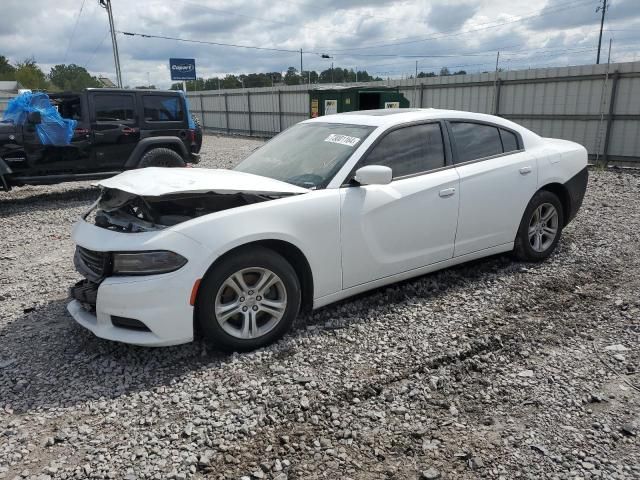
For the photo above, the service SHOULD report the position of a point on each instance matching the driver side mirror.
(34, 118)
(373, 175)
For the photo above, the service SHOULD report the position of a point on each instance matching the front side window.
(162, 109)
(114, 108)
(307, 154)
(475, 140)
(409, 150)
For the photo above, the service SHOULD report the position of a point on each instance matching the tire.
(161, 157)
(198, 130)
(543, 216)
(217, 300)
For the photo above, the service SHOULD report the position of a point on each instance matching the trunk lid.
(157, 181)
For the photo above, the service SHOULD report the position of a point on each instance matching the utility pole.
(415, 86)
(301, 70)
(331, 72)
(602, 8)
(116, 56)
(495, 84)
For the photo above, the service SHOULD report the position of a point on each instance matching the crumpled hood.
(157, 181)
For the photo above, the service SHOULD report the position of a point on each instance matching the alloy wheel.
(543, 227)
(250, 303)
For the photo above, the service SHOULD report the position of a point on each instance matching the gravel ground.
(494, 369)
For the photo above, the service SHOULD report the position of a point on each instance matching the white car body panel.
(387, 229)
(492, 194)
(354, 238)
(156, 181)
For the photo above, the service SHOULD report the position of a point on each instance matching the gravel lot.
(494, 369)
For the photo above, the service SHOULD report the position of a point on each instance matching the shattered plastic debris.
(53, 129)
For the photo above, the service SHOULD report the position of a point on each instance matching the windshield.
(307, 154)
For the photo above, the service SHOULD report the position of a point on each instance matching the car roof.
(397, 116)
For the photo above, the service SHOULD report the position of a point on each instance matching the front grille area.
(91, 264)
(85, 292)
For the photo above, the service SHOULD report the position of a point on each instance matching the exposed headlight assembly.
(146, 263)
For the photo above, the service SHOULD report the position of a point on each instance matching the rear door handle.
(525, 170)
(447, 192)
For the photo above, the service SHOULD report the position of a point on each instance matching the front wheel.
(540, 228)
(248, 300)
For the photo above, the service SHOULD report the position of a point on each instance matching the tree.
(7, 71)
(426, 74)
(28, 73)
(145, 87)
(291, 77)
(444, 71)
(460, 72)
(72, 77)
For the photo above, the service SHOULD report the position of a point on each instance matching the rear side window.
(410, 150)
(113, 107)
(475, 140)
(509, 140)
(162, 109)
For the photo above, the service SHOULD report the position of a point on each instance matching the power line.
(73, 32)
(206, 42)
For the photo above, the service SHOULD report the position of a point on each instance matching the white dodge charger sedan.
(329, 208)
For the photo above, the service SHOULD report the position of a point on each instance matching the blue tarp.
(54, 130)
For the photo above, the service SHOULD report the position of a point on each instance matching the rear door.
(164, 114)
(115, 128)
(497, 180)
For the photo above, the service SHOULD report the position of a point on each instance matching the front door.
(114, 128)
(407, 224)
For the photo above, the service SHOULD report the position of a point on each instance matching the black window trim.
(448, 154)
(454, 150)
(92, 108)
(160, 94)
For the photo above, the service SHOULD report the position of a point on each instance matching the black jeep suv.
(116, 130)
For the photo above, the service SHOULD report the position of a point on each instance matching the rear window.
(110, 108)
(475, 140)
(158, 108)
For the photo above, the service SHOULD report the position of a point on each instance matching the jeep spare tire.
(161, 157)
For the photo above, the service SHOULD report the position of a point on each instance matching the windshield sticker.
(342, 140)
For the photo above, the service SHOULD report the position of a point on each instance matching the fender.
(146, 143)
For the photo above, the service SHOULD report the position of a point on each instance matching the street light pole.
(116, 56)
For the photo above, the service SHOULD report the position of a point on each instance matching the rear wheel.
(249, 300)
(540, 228)
(161, 157)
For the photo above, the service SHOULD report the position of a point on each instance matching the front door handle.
(447, 192)
(525, 170)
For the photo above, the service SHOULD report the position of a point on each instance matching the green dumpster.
(339, 99)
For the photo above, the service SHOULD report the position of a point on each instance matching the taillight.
(191, 135)
(79, 132)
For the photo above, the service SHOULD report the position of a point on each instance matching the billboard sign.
(182, 68)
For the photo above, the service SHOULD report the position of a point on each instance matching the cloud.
(451, 16)
(44, 30)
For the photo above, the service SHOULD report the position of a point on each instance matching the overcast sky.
(378, 36)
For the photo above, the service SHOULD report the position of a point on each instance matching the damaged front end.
(126, 212)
